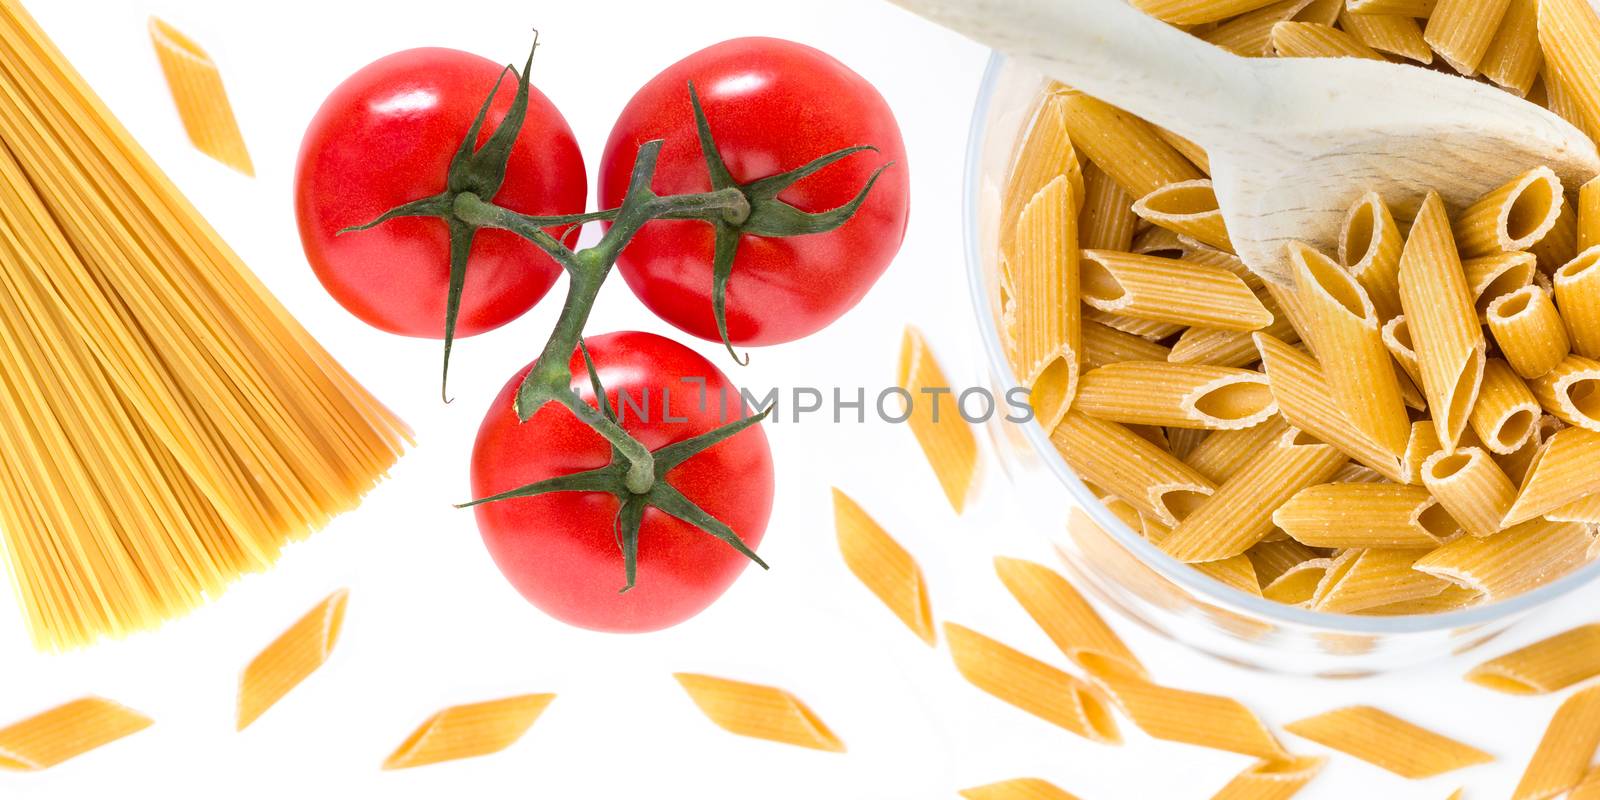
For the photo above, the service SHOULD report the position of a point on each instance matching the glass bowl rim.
(1168, 567)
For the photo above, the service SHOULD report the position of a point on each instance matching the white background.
(431, 623)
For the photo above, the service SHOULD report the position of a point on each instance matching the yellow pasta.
(1239, 514)
(1561, 473)
(1226, 452)
(1577, 291)
(1188, 208)
(1070, 622)
(1205, 720)
(1398, 35)
(1272, 558)
(1250, 34)
(1194, 152)
(1031, 685)
(1471, 487)
(290, 658)
(66, 731)
(1045, 156)
(1169, 290)
(1506, 412)
(1548, 665)
(1423, 444)
(1513, 217)
(883, 566)
(1359, 580)
(1154, 330)
(1272, 779)
(1513, 561)
(1589, 215)
(1103, 344)
(1588, 788)
(1529, 331)
(1460, 31)
(946, 438)
(1420, 9)
(1125, 147)
(1364, 515)
(1491, 277)
(1563, 755)
(1182, 441)
(1513, 58)
(1346, 334)
(1313, 40)
(1444, 325)
(1453, 598)
(1569, 35)
(1047, 330)
(1585, 510)
(1224, 348)
(202, 101)
(1571, 392)
(1560, 97)
(1320, 12)
(1384, 740)
(1559, 246)
(1120, 462)
(1297, 586)
(1176, 395)
(1195, 12)
(1017, 789)
(1305, 400)
(469, 730)
(1369, 247)
(1107, 221)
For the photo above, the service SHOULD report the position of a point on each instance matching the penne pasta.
(1514, 217)
(1559, 246)
(1103, 344)
(1176, 395)
(1017, 789)
(1169, 290)
(1460, 31)
(1453, 598)
(1123, 464)
(202, 101)
(1305, 402)
(1400, 35)
(1571, 392)
(1194, 152)
(1548, 665)
(1359, 580)
(1529, 331)
(1204, 720)
(1196, 12)
(1239, 514)
(1424, 442)
(1577, 291)
(1150, 329)
(66, 731)
(1314, 40)
(1125, 147)
(1070, 622)
(1513, 58)
(1158, 241)
(469, 731)
(1188, 208)
(1046, 155)
(1588, 788)
(1384, 740)
(1569, 32)
(1512, 561)
(1320, 12)
(1369, 247)
(1031, 685)
(1362, 515)
(1224, 348)
(1397, 340)
(290, 658)
(1226, 452)
(1490, 277)
(1182, 441)
(1561, 473)
(760, 712)
(1420, 9)
(1355, 473)
(1444, 326)
(1272, 558)
(1297, 586)
(946, 439)
(883, 566)
(1585, 510)
(1346, 332)
(1589, 215)
(1560, 97)
(1047, 329)
(1272, 779)
(1562, 758)
(1507, 412)
(1250, 34)
(1471, 487)
(1107, 221)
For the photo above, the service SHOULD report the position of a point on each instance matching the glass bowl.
(1109, 560)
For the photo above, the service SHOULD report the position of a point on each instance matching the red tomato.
(773, 106)
(561, 551)
(385, 137)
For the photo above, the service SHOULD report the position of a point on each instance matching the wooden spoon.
(1293, 142)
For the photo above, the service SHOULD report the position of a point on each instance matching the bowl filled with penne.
(1388, 455)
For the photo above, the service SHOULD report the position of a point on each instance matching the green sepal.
(461, 237)
(724, 251)
(678, 452)
(775, 218)
(439, 206)
(630, 518)
(672, 501)
(604, 479)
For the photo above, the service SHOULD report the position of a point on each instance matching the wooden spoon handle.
(1111, 50)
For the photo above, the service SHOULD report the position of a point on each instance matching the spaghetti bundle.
(165, 425)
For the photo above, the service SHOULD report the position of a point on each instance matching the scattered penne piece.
(1314, 40)
(1188, 208)
(1531, 334)
(1126, 147)
(290, 658)
(1168, 290)
(1204, 720)
(1031, 685)
(1107, 221)
(1548, 665)
(1361, 515)
(1307, 403)
(1588, 788)
(1563, 755)
(1272, 779)
(1386, 741)
(1176, 395)
(1067, 618)
(1444, 325)
(1369, 247)
(1506, 413)
(883, 566)
(66, 731)
(1512, 561)
(1562, 473)
(1471, 488)
(469, 730)
(1571, 392)
(946, 439)
(1120, 462)
(1017, 789)
(1460, 31)
(760, 712)
(202, 101)
(1577, 291)
(1047, 328)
